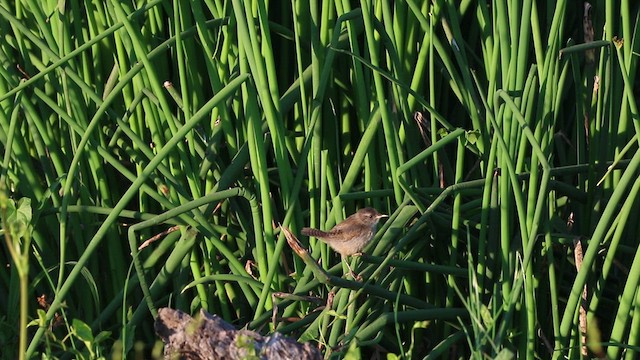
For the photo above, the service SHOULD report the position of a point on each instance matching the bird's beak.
(382, 216)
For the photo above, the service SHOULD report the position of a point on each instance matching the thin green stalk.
(131, 192)
(598, 234)
(390, 132)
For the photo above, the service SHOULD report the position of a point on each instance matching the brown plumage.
(350, 236)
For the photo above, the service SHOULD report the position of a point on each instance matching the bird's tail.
(314, 232)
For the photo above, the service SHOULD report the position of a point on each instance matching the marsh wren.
(350, 236)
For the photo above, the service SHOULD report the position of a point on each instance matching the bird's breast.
(351, 245)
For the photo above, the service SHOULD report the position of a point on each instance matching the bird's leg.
(355, 276)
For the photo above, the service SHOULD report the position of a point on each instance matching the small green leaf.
(102, 336)
(82, 331)
(41, 320)
(24, 212)
(504, 354)
(424, 324)
(335, 314)
(18, 219)
(472, 136)
(485, 313)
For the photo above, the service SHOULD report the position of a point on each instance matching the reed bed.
(501, 138)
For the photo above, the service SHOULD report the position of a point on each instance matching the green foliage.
(16, 229)
(18, 218)
(93, 344)
(177, 139)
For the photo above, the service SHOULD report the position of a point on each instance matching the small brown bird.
(350, 236)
